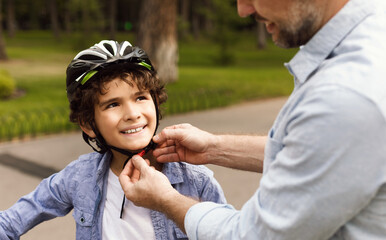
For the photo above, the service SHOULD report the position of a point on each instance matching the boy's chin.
(138, 148)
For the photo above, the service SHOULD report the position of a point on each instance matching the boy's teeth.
(134, 130)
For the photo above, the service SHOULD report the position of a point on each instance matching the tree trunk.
(207, 21)
(3, 54)
(185, 6)
(86, 18)
(113, 17)
(11, 22)
(261, 36)
(54, 18)
(196, 19)
(67, 17)
(157, 35)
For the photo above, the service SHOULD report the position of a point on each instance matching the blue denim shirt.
(324, 171)
(82, 186)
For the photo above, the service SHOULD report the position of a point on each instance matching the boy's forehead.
(119, 82)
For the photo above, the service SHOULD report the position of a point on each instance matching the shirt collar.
(173, 171)
(104, 164)
(311, 55)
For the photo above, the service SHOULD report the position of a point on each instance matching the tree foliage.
(7, 84)
(3, 54)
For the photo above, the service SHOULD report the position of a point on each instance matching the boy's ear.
(88, 130)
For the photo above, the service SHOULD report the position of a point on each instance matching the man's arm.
(189, 144)
(239, 152)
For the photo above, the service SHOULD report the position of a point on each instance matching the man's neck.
(332, 7)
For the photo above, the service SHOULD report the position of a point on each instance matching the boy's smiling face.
(125, 116)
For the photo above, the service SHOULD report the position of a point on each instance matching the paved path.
(24, 163)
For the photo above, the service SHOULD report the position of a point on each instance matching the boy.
(114, 96)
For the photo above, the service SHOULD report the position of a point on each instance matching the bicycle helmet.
(102, 55)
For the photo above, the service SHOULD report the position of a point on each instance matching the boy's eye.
(111, 105)
(140, 98)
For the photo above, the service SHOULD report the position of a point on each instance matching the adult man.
(324, 173)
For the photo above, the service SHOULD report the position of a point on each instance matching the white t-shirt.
(136, 221)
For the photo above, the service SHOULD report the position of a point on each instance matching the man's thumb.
(139, 163)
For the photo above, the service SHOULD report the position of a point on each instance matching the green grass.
(38, 63)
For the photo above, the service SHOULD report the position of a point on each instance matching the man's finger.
(140, 164)
(128, 169)
(172, 157)
(124, 177)
(170, 133)
(136, 174)
(165, 150)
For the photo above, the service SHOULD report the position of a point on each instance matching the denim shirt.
(82, 186)
(324, 173)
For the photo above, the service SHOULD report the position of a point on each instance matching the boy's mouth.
(134, 130)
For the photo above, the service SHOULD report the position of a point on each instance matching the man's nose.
(245, 8)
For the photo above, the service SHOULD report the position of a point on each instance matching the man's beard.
(303, 25)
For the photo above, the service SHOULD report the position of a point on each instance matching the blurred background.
(207, 55)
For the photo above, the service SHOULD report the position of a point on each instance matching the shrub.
(7, 84)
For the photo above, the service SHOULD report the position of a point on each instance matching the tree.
(3, 54)
(261, 36)
(225, 21)
(196, 17)
(11, 21)
(112, 17)
(54, 18)
(157, 35)
(67, 16)
(183, 24)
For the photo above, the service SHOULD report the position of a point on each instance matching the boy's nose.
(131, 112)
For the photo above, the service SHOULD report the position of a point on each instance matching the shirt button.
(82, 220)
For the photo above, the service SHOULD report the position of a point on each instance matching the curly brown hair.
(84, 98)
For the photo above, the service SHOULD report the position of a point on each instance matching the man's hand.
(183, 143)
(145, 186)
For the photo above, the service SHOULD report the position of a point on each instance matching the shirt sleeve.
(211, 190)
(328, 166)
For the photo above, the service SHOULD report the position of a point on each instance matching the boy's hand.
(183, 143)
(145, 186)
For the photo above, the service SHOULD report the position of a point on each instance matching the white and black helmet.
(105, 53)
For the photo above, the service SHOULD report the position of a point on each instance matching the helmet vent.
(90, 57)
(127, 51)
(109, 48)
